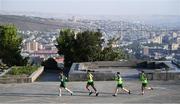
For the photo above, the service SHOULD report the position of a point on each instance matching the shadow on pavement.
(76, 93)
(49, 76)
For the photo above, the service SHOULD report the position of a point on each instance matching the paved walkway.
(47, 92)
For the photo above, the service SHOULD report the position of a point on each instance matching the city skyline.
(93, 7)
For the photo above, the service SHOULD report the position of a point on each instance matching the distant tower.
(146, 51)
(33, 46)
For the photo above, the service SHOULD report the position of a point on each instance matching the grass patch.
(24, 70)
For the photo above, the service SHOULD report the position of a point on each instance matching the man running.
(63, 80)
(119, 81)
(90, 82)
(144, 81)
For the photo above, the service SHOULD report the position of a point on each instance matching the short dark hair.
(88, 70)
(142, 71)
(118, 72)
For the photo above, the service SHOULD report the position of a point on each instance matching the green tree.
(111, 53)
(65, 46)
(10, 45)
(86, 46)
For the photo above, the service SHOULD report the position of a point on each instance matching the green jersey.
(89, 77)
(118, 79)
(143, 78)
(63, 78)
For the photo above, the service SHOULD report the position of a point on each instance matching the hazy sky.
(94, 7)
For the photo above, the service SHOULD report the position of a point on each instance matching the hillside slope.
(31, 23)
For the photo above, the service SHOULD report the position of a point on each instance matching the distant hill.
(49, 24)
(32, 23)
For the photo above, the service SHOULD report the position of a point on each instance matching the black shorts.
(63, 85)
(119, 85)
(144, 84)
(90, 83)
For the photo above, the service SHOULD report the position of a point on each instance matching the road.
(47, 92)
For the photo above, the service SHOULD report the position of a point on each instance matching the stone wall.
(163, 75)
(5, 71)
(78, 70)
(36, 74)
(22, 79)
(102, 64)
(98, 76)
(15, 80)
(166, 76)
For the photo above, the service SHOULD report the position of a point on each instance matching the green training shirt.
(143, 78)
(63, 79)
(90, 77)
(118, 79)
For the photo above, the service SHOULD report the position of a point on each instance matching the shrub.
(24, 70)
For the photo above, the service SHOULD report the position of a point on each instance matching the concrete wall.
(78, 71)
(102, 64)
(166, 76)
(163, 75)
(15, 80)
(23, 79)
(6, 71)
(36, 74)
(98, 76)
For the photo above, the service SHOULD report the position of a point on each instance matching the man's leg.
(142, 89)
(68, 90)
(116, 91)
(87, 87)
(95, 89)
(149, 88)
(59, 91)
(128, 91)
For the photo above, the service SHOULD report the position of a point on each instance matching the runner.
(119, 81)
(90, 82)
(144, 81)
(63, 80)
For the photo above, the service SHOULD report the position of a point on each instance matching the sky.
(94, 7)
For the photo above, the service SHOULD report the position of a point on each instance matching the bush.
(24, 70)
(3, 66)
